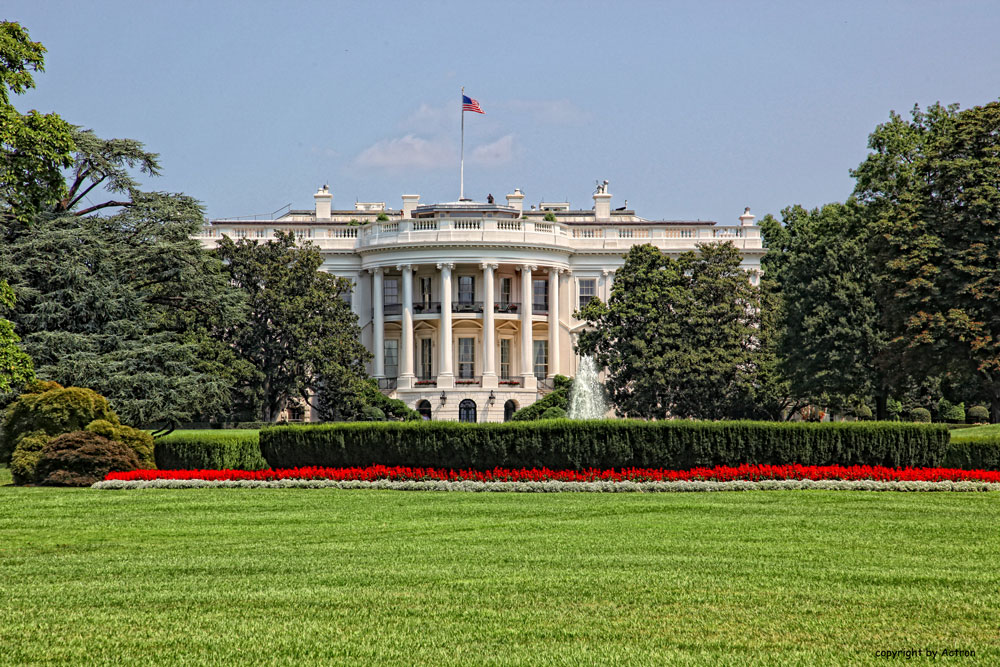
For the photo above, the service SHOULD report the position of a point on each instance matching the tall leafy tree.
(16, 368)
(300, 339)
(831, 341)
(931, 183)
(678, 337)
(34, 147)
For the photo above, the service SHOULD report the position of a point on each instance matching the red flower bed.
(716, 474)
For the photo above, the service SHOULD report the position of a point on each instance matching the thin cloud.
(498, 152)
(408, 151)
(430, 119)
(553, 112)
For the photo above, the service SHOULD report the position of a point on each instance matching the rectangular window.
(504, 358)
(588, 290)
(541, 358)
(505, 285)
(425, 291)
(390, 291)
(391, 357)
(466, 289)
(426, 359)
(466, 357)
(540, 295)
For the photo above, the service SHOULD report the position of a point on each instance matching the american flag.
(469, 104)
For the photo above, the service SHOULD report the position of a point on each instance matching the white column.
(446, 377)
(406, 374)
(527, 363)
(378, 323)
(553, 322)
(490, 380)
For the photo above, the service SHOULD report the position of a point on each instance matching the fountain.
(587, 398)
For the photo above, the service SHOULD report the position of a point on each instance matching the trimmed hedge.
(974, 454)
(209, 450)
(575, 445)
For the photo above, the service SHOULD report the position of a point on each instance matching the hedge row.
(981, 453)
(576, 445)
(209, 450)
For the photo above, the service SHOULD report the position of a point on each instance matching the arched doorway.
(424, 408)
(467, 411)
(509, 408)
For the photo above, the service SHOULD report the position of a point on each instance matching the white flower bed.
(556, 487)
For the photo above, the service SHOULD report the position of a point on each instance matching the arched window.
(509, 408)
(467, 411)
(424, 408)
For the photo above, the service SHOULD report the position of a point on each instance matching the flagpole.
(461, 170)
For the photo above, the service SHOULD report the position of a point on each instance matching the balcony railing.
(387, 384)
(466, 306)
(392, 308)
(474, 380)
(425, 382)
(510, 382)
(425, 307)
(539, 309)
(506, 306)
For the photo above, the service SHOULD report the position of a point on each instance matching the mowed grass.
(987, 430)
(211, 434)
(379, 577)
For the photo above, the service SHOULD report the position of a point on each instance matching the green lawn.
(976, 432)
(210, 434)
(365, 577)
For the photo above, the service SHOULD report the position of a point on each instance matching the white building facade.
(467, 307)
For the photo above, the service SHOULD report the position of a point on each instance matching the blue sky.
(690, 110)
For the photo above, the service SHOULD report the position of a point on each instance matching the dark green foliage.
(554, 413)
(557, 398)
(951, 413)
(978, 414)
(16, 367)
(974, 454)
(678, 337)
(81, 458)
(210, 450)
(922, 415)
(301, 339)
(569, 444)
(379, 407)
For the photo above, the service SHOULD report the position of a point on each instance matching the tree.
(16, 368)
(678, 336)
(301, 338)
(831, 339)
(931, 185)
(34, 147)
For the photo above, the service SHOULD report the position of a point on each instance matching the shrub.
(575, 445)
(920, 415)
(28, 452)
(557, 398)
(554, 413)
(210, 450)
(978, 414)
(951, 413)
(141, 442)
(81, 458)
(52, 409)
(981, 453)
(862, 412)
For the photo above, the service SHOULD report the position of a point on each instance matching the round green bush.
(862, 412)
(52, 409)
(978, 414)
(554, 413)
(141, 442)
(28, 452)
(920, 415)
(82, 458)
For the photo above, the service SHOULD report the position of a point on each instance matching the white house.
(468, 306)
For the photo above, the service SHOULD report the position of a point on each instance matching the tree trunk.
(881, 406)
(995, 405)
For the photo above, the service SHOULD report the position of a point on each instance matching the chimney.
(409, 203)
(516, 200)
(323, 199)
(747, 218)
(602, 202)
